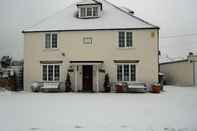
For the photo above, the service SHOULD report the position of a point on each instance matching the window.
(51, 40)
(83, 12)
(95, 11)
(87, 40)
(119, 72)
(125, 39)
(89, 12)
(48, 41)
(54, 40)
(121, 39)
(50, 72)
(126, 72)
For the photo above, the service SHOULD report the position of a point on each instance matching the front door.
(87, 78)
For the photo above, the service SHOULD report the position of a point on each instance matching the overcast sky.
(176, 18)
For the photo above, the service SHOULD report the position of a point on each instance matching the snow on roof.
(112, 17)
(84, 2)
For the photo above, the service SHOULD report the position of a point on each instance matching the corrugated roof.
(112, 17)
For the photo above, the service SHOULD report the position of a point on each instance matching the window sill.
(50, 49)
(126, 48)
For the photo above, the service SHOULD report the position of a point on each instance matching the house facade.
(88, 40)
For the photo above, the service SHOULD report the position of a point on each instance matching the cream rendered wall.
(180, 73)
(104, 48)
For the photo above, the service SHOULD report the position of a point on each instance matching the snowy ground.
(173, 110)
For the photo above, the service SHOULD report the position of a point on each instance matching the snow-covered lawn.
(173, 110)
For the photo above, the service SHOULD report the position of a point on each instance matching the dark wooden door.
(87, 78)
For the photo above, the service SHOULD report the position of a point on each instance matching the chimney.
(189, 57)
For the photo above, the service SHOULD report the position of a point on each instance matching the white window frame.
(86, 10)
(53, 72)
(125, 39)
(51, 34)
(122, 64)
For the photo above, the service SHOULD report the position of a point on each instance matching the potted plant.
(156, 88)
(107, 87)
(68, 83)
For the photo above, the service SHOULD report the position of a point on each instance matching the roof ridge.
(130, 14)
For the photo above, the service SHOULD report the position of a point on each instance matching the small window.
(126, 72)
(50, 72)
(125, 39)
(95, 11)
(89, 11)
(83, 12)
(51, 40)
(87, 40)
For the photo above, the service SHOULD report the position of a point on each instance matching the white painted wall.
(104, 48)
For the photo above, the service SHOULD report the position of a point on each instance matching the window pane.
(44, 72)
(133, 72)
(83, 12)
(119, 72)
(121, 39)
(50, 73)
(57, 72)
(54, 40)
(48, 41)
(126, 72)
(129, 39)
(89, 11)
(95, 11)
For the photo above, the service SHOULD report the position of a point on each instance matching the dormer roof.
(113, 18)
(86, 2)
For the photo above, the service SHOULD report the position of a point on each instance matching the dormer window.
(89, 10)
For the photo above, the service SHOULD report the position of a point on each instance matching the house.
(89, 39)
(181, 72)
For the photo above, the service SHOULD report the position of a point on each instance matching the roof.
(113, 18)
(86, 2)
(172, 62)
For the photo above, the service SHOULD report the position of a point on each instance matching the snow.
(111, 18)
(172, 110)
(86, 2)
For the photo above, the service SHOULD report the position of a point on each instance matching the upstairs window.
(83, 12)
(95, 11)
(125, 39)
(88, 12)
(51, 40)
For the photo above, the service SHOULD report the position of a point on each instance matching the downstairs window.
(126, 72)
(50, 72)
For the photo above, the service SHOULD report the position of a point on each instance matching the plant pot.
(156, 88)
(119, 88)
